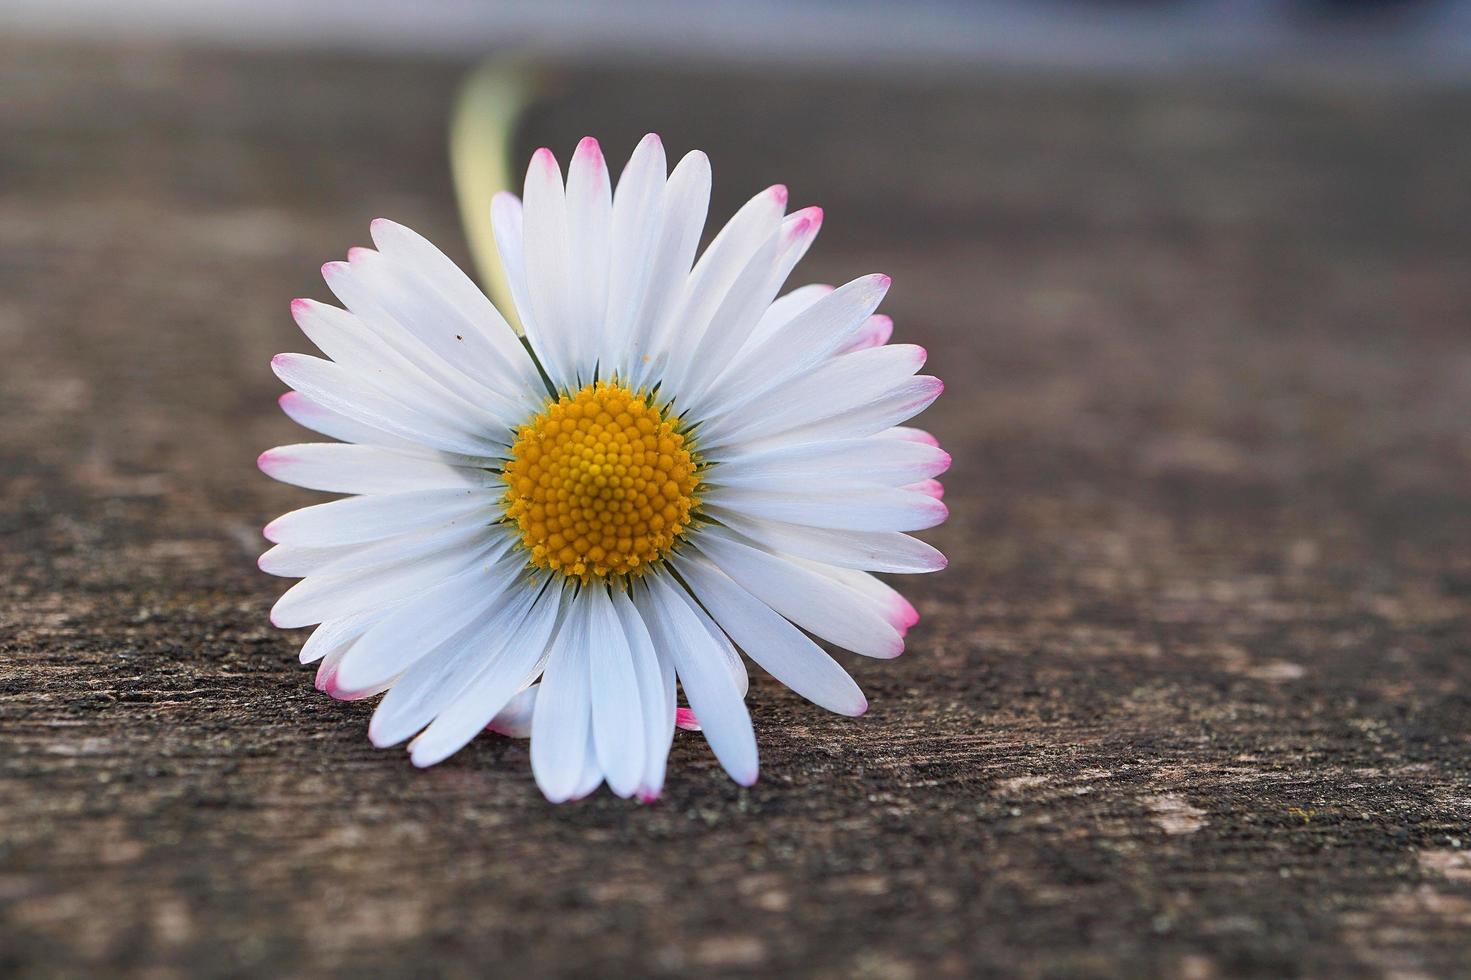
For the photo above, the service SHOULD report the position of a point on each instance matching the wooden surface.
(1193, 698)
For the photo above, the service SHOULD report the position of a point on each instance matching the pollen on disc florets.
(600, 483)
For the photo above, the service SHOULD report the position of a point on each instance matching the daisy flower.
(554, 535)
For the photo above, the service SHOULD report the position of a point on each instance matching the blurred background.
(1416, 36)
(1191, 699)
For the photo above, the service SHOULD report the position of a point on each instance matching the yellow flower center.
(600, 483)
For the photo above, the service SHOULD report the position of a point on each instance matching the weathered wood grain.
(1193, 698)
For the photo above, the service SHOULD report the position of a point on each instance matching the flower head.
(556, 536)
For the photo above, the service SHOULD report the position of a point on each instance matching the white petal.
(307, 413)
(508, 663)
(592, 773)
(890, 604)
(398, 549)
(740, 312)
(336, 388)
(875, 551)
(816, 603)
(338, 467)
(656, 696)
(638, 216)
(506, 221)
(721, 645)
(680, 635)
(727, 651)
(735, 243)
(413, 546)
(506, 356)
(878, 462)
(686, 201)
(514, 720)
(559, 730)
(783, 309)
(838, 386)
(799, 231)
(292, 561)
(376, 349)
(895, 405)
(703, 353)
(589, 219)
(875, 332)
(772, 641)
(335, 635)
(881, 509)
(908, 434)
(547, 257)
(617, 714)
(420, 624)
(327, 682)
(442, 675)
(327, 669)
(735, 267)
(322, 597)
(354, 520)
(933, 488)
(810, 337)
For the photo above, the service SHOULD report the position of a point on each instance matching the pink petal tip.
(933, 488)
(903, 615)
(335, 691)
(806, 218)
